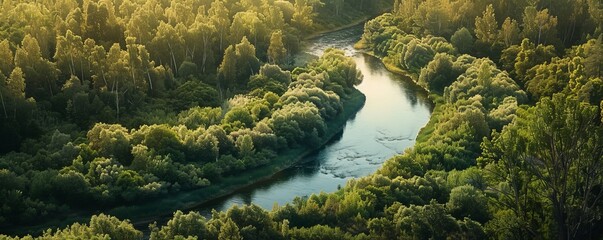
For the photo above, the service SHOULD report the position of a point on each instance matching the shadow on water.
(394, 112)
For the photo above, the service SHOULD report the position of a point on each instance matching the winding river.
(389, 122)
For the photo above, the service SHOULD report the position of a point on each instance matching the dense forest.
(107, 103)
(513, 150)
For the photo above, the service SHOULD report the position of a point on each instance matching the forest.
(110, 102)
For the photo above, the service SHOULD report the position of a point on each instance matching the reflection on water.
(394, 112)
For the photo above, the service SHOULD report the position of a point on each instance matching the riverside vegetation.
(514, 148)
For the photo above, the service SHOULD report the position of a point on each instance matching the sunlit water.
(394, 112)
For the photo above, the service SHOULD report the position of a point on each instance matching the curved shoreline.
(142, 214)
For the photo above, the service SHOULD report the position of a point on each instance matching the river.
(394, 112)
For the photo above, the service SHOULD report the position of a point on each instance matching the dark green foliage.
(538, 175)
(462, 40)
(194, 93)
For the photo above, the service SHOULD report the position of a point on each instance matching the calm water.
(394, 112)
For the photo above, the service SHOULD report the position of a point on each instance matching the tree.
(6, 58)
(486, 28)
(228, 68)
(167, 46)
(111, 140)
(14, 88)
(547, 143)
(434, 17)
(245, 145)
(40, 74)
(466, 201)
(462, 40)
(438, 74)
(240, 115)
(247, 63)
(191, 224)
(69, 55)
(509, 33)
(16, 83)
(594, 57)
(229, 231)
(113, 227)
(303, 15)
(218, 14)
(539, 26)
(249, 25)
(276, 51)
(528, 56)
(203, 30)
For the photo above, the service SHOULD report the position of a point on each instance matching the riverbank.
(143, 214)
(436, 99)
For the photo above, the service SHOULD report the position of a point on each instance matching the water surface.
(389, 122)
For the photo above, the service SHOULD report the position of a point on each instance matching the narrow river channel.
(394, 112)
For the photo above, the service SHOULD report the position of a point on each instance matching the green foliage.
(548, 141)
(468, 202)
(194, 93)
(486, 28)
(538, 178)
(462, 40)
(191, 224)
(483, 79)
(439, 73)
(110, 141)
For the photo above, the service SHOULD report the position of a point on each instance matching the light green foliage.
(303, 15)
(6, 57)
(485, 80)
(486, 28)
(503, 114)
(539, 26)
(239, 117)
(110, 140)
(245, 145)
(529, 55)
(554, 133)
(276, 51)
(100, 227)
(509, 33)
(307, 88)
(40, 74)
(167, 46)
(341, 71)
(434, 17)
(200, 117)
(191, 224)
(229, 231)
(298, 123)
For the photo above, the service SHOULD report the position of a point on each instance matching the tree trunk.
(3, 105)
(173, 58)
(117, 99)
(149, 77)
(559, 215)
